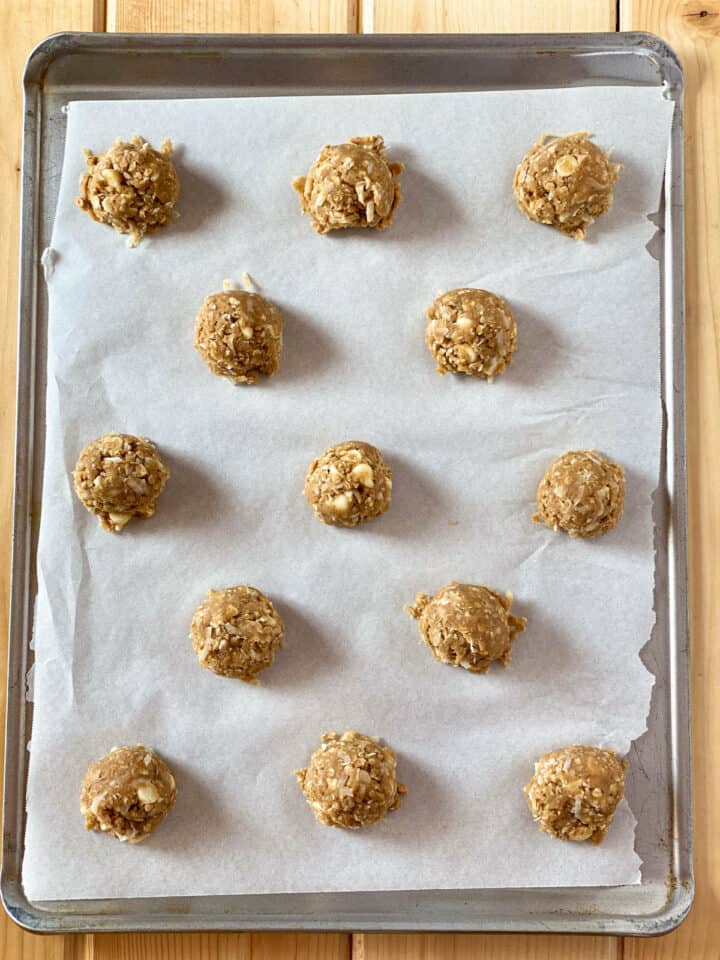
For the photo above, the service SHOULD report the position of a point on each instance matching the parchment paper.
(113, 662)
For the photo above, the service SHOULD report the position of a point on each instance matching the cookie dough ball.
(127, 793)
(236, 632)
(582, 493)
(239, 335)
(349, 484)
(467, 625)
(352, 184)
(575, 791)
(351, 780)
(566, 182)
(118, 477)
(471, 331)
(131, 186)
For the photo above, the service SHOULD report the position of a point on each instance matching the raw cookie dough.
(127, 793)
(349, 484)
(118, 477)
(350, 780)
(352, 184)
(239, 335)
(467, 625)
(131, 186)
(582, 493)
(574, 792)
(236, 632)
(471, 331)
(566, 182)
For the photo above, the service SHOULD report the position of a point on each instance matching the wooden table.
(693, 28)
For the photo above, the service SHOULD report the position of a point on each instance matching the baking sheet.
(355, 365)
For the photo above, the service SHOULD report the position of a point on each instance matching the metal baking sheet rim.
(574, 910)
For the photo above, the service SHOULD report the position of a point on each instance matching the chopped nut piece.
(118, 520)
(113, 177)
(566, 165)
(363, 474)
(351, 781)
(341, 504)
(349, 484)
(147, 793)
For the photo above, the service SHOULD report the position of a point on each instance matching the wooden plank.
(22, 24)
(486, 16)
(467, 946)
(217, 946)
(693, 29)
(232, 16)
(16, 944)
(489, 16)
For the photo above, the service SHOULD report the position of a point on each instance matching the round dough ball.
(349, 484)
(236, 632)
(467, 625)
(471, 331)
(131, 186)
(566, 182)
(351, 780)
(127, 793)
(351, 184)
(118, 477)
(582, 493)
(574, 792)
(239, 335)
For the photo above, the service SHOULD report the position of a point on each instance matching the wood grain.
(232, 16)
(469, 946)
(486, 16)
(22, 24)
(693, 29)
(217, 946)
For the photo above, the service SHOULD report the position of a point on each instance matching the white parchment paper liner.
(113, 663)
